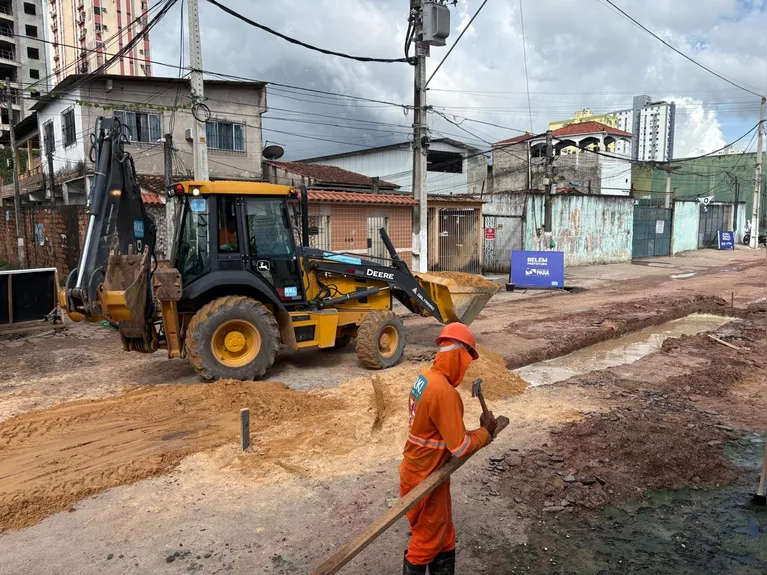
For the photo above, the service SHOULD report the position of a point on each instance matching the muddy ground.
(647, 466)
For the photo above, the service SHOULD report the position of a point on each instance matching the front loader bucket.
(123, 297)
(459, 297)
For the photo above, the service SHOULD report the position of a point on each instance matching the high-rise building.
(22, 54)
(650, 122)
(86, 33)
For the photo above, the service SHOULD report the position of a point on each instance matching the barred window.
(68, 131)
(225, 136)
(140, 126)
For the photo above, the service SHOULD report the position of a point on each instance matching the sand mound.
(497, 380)
(465, 279)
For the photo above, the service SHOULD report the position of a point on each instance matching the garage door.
(712, 219)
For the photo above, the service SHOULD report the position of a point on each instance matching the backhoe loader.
(238, 286)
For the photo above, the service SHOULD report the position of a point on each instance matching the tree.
(6, 171)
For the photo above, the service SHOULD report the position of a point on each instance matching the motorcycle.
(747, 236)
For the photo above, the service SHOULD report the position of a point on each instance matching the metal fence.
(502, 235)
(458, 240)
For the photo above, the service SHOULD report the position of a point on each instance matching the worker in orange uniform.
(437, 432)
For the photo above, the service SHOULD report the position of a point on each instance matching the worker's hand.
(487, 420)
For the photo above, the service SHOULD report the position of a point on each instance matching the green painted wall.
(684, 236)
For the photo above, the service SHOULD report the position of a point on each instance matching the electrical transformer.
(436, 23)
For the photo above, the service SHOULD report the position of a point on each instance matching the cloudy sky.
(580, 53)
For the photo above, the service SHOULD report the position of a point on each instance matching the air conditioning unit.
(188, 135)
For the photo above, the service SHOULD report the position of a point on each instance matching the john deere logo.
(263, 265)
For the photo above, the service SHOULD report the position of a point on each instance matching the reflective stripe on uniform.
(463, 447)
(426, 442)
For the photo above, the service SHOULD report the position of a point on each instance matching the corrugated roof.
(322, 174)
(578, 129)
(361, 198)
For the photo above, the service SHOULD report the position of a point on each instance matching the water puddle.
(626, 349)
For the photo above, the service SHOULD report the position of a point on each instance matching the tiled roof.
(573, 130)
(151, 198)
(155, 184)
(330, 175)
(455, 199)
(361, 198)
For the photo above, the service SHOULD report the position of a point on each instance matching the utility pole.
(757, 182)
(420, 145)
(16, 190)
(199, 141)
(170, 205)
(549, 183)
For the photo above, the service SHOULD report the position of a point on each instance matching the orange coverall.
(436, 431)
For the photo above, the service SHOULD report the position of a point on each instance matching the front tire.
(232, 337)
(380, 340)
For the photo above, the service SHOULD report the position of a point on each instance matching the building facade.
(84, 34)
(22, 54)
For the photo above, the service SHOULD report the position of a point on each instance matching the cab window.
(268, 227)
(193, 254)
(227, 225)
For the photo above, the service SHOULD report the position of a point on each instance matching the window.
(33, 53)
(193, 253)
(268, 227)
(31, 31)
(227, 225)
(34, 74)
(225, 136)
(50, 142)
(140, 126)
(29, 9)
(98, 27)
(68, 131)
(96, 10)
(449, 162)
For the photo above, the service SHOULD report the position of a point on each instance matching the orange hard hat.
(459, 332)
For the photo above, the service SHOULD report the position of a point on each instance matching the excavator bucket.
(124, 294)
(459, 296)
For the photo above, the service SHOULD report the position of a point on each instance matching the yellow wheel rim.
(388, 341)
(236, 343)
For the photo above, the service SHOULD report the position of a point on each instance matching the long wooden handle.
(482, 403)
(349, 551)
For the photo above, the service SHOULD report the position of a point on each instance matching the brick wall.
(52, 237)
(349, 228)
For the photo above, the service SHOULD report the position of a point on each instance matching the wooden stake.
(371, 533)
(717, 340)
(245, 428)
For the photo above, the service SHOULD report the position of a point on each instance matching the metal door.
(502, 235)
(458, 244)
(376, 247)
(712, 219)
(652, 231)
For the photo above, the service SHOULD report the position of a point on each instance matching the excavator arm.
(112, 280)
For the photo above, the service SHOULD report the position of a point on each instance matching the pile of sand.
(464, 279)
(497, 381)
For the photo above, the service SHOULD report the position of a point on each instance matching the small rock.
(496, 458)
(588, 481)
(485, 481)
(170, 558)
(690, 425)
(557, 458)
(493, 493)
(600, 480)
(564, 503)
(517, 500)
(513, 461)
(569, 478)
(714, 442)
(696, 479)
(110, 556)
(548, 503)
(541, 463)
(391, 501)
(554, 509)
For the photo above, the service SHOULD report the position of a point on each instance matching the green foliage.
(6, 171)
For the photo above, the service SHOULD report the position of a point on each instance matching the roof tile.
(361, 198)
(322, 174)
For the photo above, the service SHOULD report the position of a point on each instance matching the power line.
(454, 43)
(685, 56)
(304, 44)
(527, 75)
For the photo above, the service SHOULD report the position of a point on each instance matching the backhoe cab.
(239, 286)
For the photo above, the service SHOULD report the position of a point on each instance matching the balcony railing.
(7, 55)
(6, 32)
(5, 10)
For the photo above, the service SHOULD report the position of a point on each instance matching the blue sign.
(198, 205)
(291, 291)
(538, 269)
(726, 240)
(138, 228)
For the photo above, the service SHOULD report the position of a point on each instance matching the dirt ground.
(124, 463)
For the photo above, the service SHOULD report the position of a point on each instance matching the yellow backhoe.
(238, 284)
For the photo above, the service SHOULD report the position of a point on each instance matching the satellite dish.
(273, 152)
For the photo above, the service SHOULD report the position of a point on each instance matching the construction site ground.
(114, 462)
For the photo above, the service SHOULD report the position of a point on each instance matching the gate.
(502, 235)
(712, 219)
(652, 231)
(458, 243)
(319, 231)
(376, 247)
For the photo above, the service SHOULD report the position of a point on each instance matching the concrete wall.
(588, 229)
(504, 204)
(589, 173)
(684, 234)
(22, 20)
(227, 102)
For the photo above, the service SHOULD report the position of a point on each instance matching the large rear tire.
(232, 337)
(380, 340)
